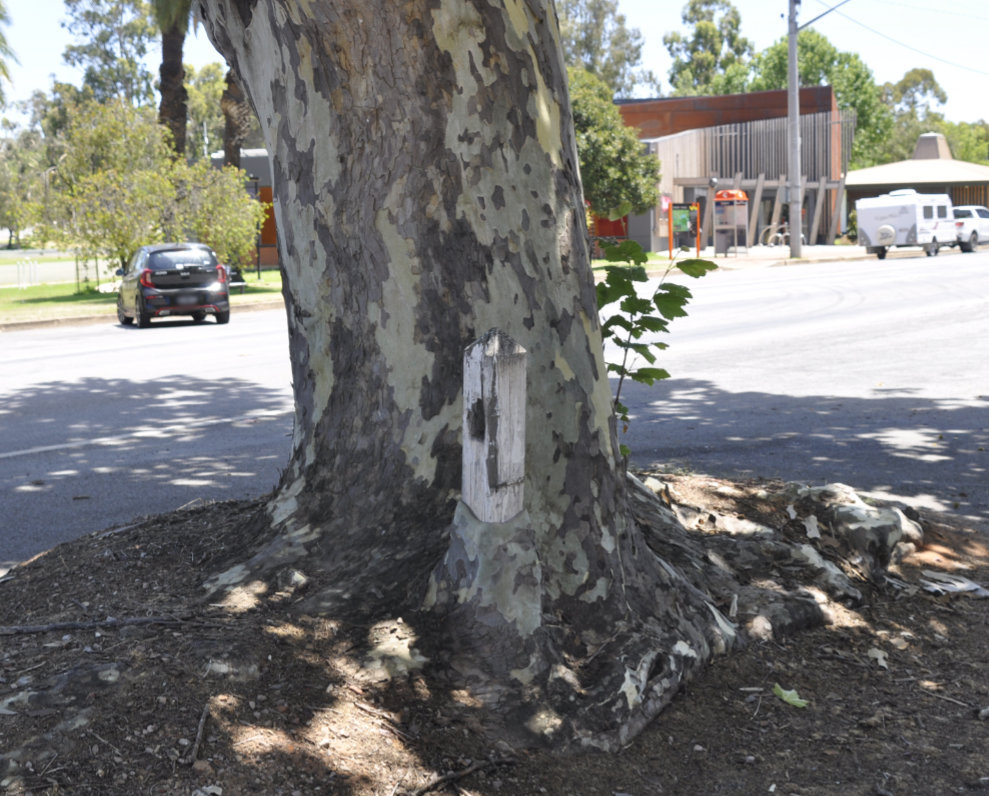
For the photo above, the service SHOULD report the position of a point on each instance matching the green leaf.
(790, 697)
(628, 251)
(653, 324)
(649, 375)
(696, 268)
(670, 306)
(634, 305)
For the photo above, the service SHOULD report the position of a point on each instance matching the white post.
(494, 427)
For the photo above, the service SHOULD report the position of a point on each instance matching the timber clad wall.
(741, 141)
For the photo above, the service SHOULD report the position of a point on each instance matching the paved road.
(100, 424)
(871, 373)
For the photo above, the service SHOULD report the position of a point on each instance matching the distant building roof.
(924, 171)
(931, 164)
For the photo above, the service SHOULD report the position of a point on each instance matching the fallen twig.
(190, 758)
(105, 742)
(453, 776)
(945, 698)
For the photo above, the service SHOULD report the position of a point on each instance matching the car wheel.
(223, 317)
(198, 317)
(881, 252)
(124, 320)
(143, 318)
(973, 242)
(931, 249)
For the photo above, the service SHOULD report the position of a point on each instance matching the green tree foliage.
(112, 38)
(631, 320)
(205, 131)
(821, 63)
(595, 38)
(21, 183)
(713, 57)
(618, 175)
(912, 101)
(217, 210)
(968, 141)
(117, 186)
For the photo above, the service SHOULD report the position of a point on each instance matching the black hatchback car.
(169, 279)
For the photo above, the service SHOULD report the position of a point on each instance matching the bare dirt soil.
(119, 678)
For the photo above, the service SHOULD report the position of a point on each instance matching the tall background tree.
(821, 63)
(713, 57)
(596, 38)
(111, 40)
(172, 17)
(912, 101)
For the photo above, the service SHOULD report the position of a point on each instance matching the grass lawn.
(48, 302)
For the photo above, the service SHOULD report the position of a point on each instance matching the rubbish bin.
(731, 220)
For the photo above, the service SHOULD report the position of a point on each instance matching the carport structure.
(932, 169)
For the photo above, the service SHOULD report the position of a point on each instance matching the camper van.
(905, 218)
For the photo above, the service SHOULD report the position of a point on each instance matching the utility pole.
(794, 183)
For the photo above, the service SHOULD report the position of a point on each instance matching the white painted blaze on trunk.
(494, 427)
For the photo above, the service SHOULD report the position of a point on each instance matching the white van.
(905, 218)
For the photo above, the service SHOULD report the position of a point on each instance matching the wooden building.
(740, 141)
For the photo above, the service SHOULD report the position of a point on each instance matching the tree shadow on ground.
(930, 452)
(96, 453)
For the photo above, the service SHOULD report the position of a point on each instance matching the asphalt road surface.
(874, 374)
(102, 424)
(871, 373)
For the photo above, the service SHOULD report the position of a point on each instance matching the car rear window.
(963, 213)
(181, 258)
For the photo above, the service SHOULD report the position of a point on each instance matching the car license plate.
(188, 300)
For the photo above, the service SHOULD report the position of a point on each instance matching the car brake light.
(146, 278)
(222, 273)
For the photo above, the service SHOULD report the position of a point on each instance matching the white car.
(971, 226)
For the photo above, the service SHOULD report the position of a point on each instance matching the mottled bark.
(426, 191)
(172, 111)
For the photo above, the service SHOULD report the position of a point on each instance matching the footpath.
(769, 256)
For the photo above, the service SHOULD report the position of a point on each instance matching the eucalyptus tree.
(21, 184)
(427, 192)
(913, 101)
(596, 38)
(713, 57)
(111, 41)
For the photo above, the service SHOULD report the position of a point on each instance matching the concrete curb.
(110, 317)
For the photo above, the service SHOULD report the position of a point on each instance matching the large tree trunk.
(173, 111)
(427, 191)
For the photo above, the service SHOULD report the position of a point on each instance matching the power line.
(907, 46)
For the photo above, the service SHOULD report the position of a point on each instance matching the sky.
(891, 37)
